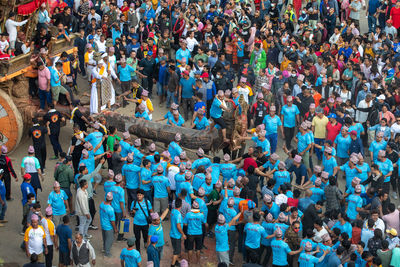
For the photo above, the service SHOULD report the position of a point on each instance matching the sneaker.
(122, 239)
(92, 227)
(22, 233)
(88, 236)
(10, 199)
(94, 192)
(394, 195)
(76, 228)
(54, 158)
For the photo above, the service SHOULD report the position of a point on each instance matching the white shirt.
(395, 128)
(245, 92)
(11, 27)
(172, 171)
(46, 226)
(191, 43)
(101, 46)
(318, 235)
(362, 116)
(95, 16)
(35, 239)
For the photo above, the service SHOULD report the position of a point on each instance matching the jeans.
(137, 229)
(149, 196)
(92, 209)
(131, 196)
(3, 209)
(147, 84)
(289, 133)
(319, 141)
(118, 217)
(371, 23)
(171, 98)
(187, 105)
(7, 183)
(44, 97)
(84, 223)
(273, 140)
(49, 256)
(160, 89)
(108, 239)
(55, 143)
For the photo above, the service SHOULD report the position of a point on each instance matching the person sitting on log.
(142, 113)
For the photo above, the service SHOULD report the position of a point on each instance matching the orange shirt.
(317, 97)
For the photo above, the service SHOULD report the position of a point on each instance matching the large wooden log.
(158, 132)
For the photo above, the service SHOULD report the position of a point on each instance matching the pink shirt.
(43, 78)
(392, 220)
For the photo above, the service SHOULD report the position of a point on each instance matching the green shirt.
(111, 141)
(213, 196)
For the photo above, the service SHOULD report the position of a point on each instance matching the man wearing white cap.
(58, 201)
(289, 117)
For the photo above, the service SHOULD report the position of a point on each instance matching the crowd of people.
(303, 77)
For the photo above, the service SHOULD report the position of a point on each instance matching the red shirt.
(332, 131)
(249, 162)
(395, 13)
(356, 235)
(293, 202)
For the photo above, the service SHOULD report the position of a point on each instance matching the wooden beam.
(22, 71)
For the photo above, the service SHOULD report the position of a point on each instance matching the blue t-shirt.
(125, 73)
(131, 257)
(329, 164)
(54, 77)
(179, 178)
(89, 163)
(206, 162)
(57, 202)
(344, 228)
(160, 183)
(271, 124)
(365, 169)
(94, 139)
(216, 110)
(107, 216)
(187, 87)
(64, 233)
(174, 149)
(280, 178)
(254, 233)
(221, 236)
(140, 217)
(358, 128)
(143, 115)
(354, 202)
(158, 231)
(350, 173)
(189, 188)
(125, 147)
(176, 218)
(342, 145)
(265, 145)
(274, 210)
(131, 174)
(307, 260)
(280, 250)
(385, 167)
(229, 214)
(318, 194)
(201, 124)
(227, 170)
(289, 114)
(145, 175)
(26, 189)
(194, 220)
(304, 141)
(118, 197)
(198, 180)
(182, 54)
(375, 147)
(269, 229)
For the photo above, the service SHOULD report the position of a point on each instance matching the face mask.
(296, 230)
(34, 201)
(341, 24)
(303, 12)
(293, 74)
(151, 22)
(218, 76)
(196, 20)
(36, 212)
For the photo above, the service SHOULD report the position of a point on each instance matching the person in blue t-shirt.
(58, 201)
(216, 110)
(221, 237)
(156, 229)
(254, 234)
(161, 190)
(272, 122)
(176, 233)
(131, 173)
(289, 117)
(141, 209)
(201, 121)
(107, 222)
(96, 139)
(130, 257)
(142, 113)
(201, 161)
(354, 203)
(343, 224)
(194, 221)
(118, 202)
(306, 258)
(186, 88)
(280, 249)
(342, 145)
(64, 234)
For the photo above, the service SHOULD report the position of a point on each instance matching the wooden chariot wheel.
(11, 123)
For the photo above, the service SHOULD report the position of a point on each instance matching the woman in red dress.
(395, 15)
